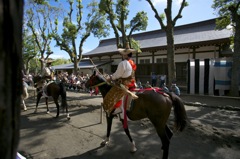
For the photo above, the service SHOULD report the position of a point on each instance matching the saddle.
(112, 97)
(155, 89)
(44, 89)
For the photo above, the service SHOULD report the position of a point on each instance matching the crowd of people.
(173, 88)
(73, 81)
(77, 81)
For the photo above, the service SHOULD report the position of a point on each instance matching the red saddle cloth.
(156, 89)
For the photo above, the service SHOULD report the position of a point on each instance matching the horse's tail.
(63, 95)
(180, 114)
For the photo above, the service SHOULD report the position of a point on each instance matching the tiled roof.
(86, 63)
(200, 32)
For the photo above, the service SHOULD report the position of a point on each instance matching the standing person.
(162, 80)
(154, 79)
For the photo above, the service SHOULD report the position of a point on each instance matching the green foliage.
(60, 61)
(227, 9)
(117, 15)
(29, 46)
(222, 9)
(34, 65)
(38, 19)
(96, 23)
(40, 1)
(122, 9)
(135, 45)
(140, 21)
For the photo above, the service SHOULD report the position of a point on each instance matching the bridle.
(99, 84)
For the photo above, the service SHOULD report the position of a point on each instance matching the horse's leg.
(46, 101)
(24, 105)
(39, 95)
(133, 148)
(68, 116)
(109, 127)
(169, 132)
(163, 132)
(57, 105)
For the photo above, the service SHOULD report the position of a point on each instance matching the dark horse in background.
(152, 105)
(51, 89)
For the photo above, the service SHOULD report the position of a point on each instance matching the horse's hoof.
(105, 142)
(133, 149)
(68, 117)
(48, 112)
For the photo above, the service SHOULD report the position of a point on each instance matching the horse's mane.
(37, 78)
(105, 87)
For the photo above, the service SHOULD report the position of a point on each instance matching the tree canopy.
(75, 26)
(229, 12)
(117, 15)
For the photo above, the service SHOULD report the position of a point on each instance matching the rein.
(99, 84)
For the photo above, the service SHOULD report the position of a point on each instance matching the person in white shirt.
(47, 70)
(125, 73)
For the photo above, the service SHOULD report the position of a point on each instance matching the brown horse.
(53, 90)
(152, 105)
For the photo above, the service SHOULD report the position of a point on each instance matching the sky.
(197, 10)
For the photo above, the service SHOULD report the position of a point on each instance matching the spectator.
(154, 79)
(139, 84)
(147, 85)
(175, 89)
(162, 80)
(165, 88)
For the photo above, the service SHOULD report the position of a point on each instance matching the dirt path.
(212, 134)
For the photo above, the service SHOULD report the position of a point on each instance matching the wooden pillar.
(194, 52)
(189, 53)
(153, 61)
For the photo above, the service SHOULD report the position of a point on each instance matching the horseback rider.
(124, 75)
(47, 75)
(48, 71)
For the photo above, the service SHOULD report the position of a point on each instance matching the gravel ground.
(213, 132)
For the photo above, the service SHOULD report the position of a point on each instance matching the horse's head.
(94, 80)
(38, 81)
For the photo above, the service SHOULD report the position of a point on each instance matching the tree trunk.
(235, 78)
(170, 55)
(75, 65)
(11, 17)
